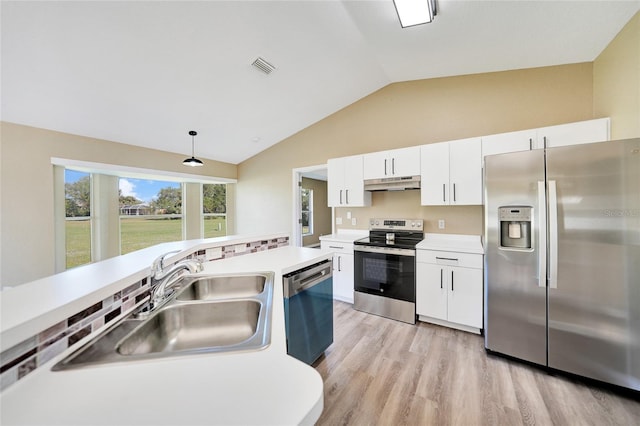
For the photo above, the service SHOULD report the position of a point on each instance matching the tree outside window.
(214, 209)
(77, 198)
(150, 214)
(149, 218)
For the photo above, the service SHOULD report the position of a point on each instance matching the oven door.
(387, 272)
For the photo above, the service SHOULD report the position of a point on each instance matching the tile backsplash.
(23, 358)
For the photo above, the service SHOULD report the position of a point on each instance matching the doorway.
(311, 215)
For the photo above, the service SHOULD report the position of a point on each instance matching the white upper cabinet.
(393, 163)
(451, 173)
(564, 134)
(509, 142)
(573, 133)
(345, 183)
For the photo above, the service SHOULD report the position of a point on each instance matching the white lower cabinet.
(342, 268)
(343, 277)
(449, 289)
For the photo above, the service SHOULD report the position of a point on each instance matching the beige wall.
(616, 82)
(26, 190)
(321, 211)
(413, 113)
(401, 114)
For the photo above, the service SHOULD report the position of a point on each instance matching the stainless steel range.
(385, 269)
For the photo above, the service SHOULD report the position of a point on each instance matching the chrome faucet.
(164, 279)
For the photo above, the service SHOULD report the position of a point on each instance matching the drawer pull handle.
(336, 247)
(447, 258)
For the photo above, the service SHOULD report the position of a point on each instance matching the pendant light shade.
(193, 161)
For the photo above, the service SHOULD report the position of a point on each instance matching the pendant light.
(193, 161)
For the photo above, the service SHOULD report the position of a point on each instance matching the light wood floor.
(384, 372)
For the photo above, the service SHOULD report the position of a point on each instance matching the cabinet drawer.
(450, 258)
(337, 246)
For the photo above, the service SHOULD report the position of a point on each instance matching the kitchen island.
(259, 387)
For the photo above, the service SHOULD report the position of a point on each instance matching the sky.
(142, 189)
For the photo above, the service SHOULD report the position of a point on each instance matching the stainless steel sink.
(194, 327)
(223, 287)
(209, 314)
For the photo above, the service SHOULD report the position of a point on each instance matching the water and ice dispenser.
(515, 227)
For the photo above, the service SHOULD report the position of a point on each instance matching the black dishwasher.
(308, 307)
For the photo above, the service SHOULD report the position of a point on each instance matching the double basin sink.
(208, 314)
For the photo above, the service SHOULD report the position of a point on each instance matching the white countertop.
(260, 387)
(346, 236)
(32, 307)
(452, 242)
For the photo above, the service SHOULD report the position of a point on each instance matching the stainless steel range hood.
(392, 183)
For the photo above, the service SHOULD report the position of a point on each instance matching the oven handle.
(385, 250)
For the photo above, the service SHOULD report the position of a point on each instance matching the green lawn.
(136, 233)
(78, 242)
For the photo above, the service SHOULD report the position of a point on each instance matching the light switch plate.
(338, 220)
(441, 224)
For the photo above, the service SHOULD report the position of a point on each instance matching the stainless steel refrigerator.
(562, 272)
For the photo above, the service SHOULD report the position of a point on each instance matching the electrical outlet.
(338, 220)
(348, 215)
(354, 221)
(441, 224)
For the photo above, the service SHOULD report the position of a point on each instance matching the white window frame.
(309, 211)
(59, 165)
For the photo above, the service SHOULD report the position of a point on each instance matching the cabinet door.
(335, 182)
(465, 296)
(354, 193)
(508, 142)
(405, 161)
(465, 172)
(574, 133)
(431, 290)
(343, 277)
(375, 165)
(397, 162)
(434, 185)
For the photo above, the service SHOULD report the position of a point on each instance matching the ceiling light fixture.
(415, 12)
(193, 161)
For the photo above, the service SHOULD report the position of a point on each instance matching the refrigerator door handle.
(542, 231)
(553, 235)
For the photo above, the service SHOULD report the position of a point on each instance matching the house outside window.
(101, 215)
(150, 213)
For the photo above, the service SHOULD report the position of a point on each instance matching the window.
(307, 211)
(214, 209)
(150, 213)
(102, 212)
(77, 197)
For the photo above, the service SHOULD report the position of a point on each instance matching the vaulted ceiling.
(146, 72)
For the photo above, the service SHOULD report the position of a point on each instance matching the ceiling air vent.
(263, 65)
